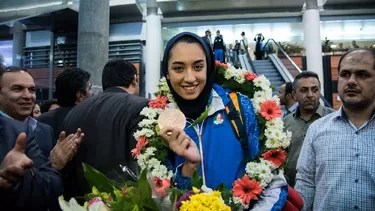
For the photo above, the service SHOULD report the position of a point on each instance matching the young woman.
(211, 144)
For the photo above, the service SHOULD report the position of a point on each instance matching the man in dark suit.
(110, 120)
(17, 99)
(72, 87)
(207, 38)
(27, 180)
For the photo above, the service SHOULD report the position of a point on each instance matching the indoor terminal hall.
(187, 105)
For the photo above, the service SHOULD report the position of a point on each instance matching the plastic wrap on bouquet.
(124, 172)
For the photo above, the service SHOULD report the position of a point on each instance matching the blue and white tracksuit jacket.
(221, 152)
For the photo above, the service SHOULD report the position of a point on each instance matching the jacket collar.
(115, 89)
(319, 111)
(29, 121)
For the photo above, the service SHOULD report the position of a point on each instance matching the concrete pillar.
(93, 32)
(153, 47)
(312, 40)
(18, 43)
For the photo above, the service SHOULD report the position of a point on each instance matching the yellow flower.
(205, 202)
(106, 196)
(95, 191)
(196, 190)
(86, 205)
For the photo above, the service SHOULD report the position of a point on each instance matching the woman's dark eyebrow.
(178, 62)
(199, 61)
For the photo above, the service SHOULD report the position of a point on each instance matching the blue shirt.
(29, 120)
(336, 167)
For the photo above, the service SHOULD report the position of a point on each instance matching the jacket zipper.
(199, 132)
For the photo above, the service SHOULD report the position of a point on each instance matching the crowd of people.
(230, 53)
(42, 148)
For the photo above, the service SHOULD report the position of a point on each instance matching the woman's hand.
(181, 144)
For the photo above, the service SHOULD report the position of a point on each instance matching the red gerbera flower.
(250, 76)
(159, 102)
(142, 142)
(246, 189)
(224, 65)
(159, 185)
(276, 156)
(270, 110)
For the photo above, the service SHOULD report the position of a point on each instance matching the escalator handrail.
(294, 64)
(282, 51)
(250, 61)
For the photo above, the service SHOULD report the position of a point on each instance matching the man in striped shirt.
(336, 167)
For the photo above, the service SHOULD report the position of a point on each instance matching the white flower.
(150, 123)
(273, 133)
(261, 171)
(149, 113)
(142, 159)
(228, 74)
(263, 94)
(237, 74)
(238, 200)
(286, 139)
(276, 99)
(170, 97)
(240, 78)
(144, 132)
(257, 102)
(276, 123)
(159, 170)
(262, 82)
(265, 175)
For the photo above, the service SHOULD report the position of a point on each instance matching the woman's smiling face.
(187, 69)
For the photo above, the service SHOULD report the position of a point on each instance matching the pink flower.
(94, 200)
(250, 76)
(160, 185)
(270, 110)
(142, 142)
(159, 102)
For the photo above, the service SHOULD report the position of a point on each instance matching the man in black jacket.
(109, 120)
(27, 180)
(72, 87)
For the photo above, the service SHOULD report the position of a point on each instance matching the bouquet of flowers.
(107, 195)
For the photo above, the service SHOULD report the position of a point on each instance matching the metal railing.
(269, 50)
(280, 50)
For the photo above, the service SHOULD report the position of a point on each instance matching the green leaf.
(221, 187)
(175, 195)
(135, 208)
(97, 179)
(196, 180)
(200, 119)
(145, 192)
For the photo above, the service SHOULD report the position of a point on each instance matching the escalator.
(268, 69)
(277, 66)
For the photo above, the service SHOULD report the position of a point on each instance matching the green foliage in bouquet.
(134, 196)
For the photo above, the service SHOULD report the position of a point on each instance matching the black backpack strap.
(234, 114)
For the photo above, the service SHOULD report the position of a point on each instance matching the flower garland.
(151, 151)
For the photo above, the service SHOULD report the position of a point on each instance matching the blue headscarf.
(192, 108)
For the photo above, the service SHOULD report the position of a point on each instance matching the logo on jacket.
(218, 119)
